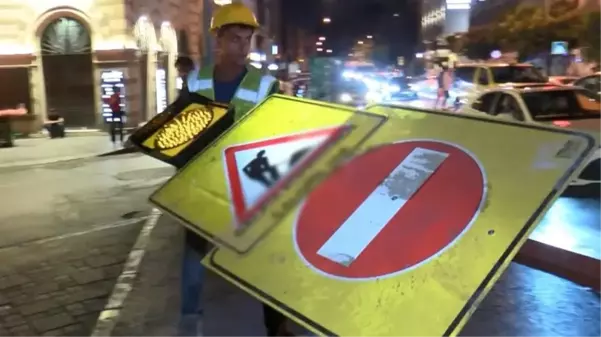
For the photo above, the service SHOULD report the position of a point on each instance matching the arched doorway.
(66, 49)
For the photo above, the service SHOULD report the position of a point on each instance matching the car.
(562, 80)
(473, 78)
(590, 82)
(398, 89)
(559, 106)
(358, 93)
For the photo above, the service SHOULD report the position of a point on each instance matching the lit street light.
(396, 15)
(326, 20)
(370, 37)
(322, 38)
(318, 43)
(222, 2)
(359, 42)
(329, 51)
(319, 49)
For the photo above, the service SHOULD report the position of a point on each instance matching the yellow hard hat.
(233, 14)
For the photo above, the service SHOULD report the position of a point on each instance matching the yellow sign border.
(497, 269)
(354, 130)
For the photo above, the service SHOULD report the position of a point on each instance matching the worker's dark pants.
(193, 277)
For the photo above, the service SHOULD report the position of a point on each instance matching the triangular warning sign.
(253, 168)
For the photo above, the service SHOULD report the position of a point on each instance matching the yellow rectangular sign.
(183, 129)
(226, 184)
(408, 236)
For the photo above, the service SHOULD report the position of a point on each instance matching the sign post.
(411, 233)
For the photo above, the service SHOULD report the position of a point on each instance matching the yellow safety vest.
(253, 89)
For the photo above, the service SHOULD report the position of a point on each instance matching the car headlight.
(345, 98)
(394, 88)
(372, 96)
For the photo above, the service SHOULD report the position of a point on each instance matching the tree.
(590, 39)
(519, 30)
(527, 31)
(478, 43)
(562, 8)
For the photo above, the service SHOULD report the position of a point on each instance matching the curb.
(125, 150)
(108, 317)
(580, 269)
(68, 158)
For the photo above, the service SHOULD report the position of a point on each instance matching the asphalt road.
(65, 231)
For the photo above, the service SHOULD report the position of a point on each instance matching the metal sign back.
(183, 129)
(467, 193)
(226, 184)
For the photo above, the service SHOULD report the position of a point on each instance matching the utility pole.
(283, 48)
(207, 48)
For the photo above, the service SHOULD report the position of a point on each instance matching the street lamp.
(319, 49)
(318, 43)
(322, 38)
(222, 2)
(329, 51)
(396, 15)
(326, 20)
(359, 42)
(370, 37)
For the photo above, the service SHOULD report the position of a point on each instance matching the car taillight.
(562, 124)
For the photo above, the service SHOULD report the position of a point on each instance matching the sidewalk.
(35, 151)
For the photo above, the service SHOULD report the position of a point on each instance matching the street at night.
(300, 168)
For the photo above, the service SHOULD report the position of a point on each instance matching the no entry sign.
(370, 221)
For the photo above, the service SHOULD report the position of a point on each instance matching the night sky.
(354, 19)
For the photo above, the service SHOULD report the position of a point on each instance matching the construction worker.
(230, 80)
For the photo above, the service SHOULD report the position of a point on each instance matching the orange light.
(562, 124)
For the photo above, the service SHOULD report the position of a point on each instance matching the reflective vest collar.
(253, 88)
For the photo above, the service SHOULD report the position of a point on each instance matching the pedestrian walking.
(445, 81)
(116, 120)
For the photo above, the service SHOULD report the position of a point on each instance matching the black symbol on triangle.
(261, 170)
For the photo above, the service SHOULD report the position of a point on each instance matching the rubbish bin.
(6, 134)
(55, 126)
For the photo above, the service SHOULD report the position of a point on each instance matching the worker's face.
(183, 71)
(234, 43)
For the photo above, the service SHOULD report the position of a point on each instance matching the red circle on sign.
(354, 225)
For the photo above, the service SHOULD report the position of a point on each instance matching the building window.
(66, 36)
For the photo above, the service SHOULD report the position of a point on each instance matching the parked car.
(565, 107)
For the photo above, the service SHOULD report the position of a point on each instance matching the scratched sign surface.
(407, 237)
(224, 185)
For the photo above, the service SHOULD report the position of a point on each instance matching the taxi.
(559, 106)
(473, 78)
(590, 82)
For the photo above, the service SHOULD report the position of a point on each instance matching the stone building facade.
(56, 54)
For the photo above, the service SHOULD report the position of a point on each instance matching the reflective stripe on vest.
(253, 88)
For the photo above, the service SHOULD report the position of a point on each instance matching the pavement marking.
(120, 223)
(107, 319)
